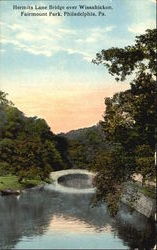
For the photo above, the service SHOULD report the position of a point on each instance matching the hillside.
(82, 133)
(84, 145)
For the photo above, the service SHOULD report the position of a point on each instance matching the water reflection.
(135, 230)
(48, 213)
(79, 181)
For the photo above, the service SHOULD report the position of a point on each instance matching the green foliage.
(62, 145)
(130, 116)
(27, 145)
(11, 182)
(3, 99)
(84, 145)
(144, 159)
(4, 168)
(7, 151)
(137, 58)
(112, 167)
(147, 190)
(118, 121)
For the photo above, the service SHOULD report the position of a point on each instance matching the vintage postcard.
(77, 124)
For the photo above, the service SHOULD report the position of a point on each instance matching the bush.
(4, 168)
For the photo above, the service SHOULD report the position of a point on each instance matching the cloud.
(2, 50)
(94, 35)
(47, 36)
(143, 16)
(142, 27)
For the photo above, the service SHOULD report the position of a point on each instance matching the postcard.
(77, 91)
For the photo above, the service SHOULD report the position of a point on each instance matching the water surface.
(78, 181)
(49, 219)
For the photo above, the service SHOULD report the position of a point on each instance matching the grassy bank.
(146, 190)
(11, 182)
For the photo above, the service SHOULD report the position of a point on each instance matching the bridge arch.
(55, 176)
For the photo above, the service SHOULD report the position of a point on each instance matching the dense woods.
(28, 148)
(84, 145)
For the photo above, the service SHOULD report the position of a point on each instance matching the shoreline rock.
(7, 192)
(143, 204)
(10, 192)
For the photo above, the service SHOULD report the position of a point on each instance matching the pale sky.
(45, 62)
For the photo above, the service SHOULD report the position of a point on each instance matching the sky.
(45, 62)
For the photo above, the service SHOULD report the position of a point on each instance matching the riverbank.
(136, 196)
(11, 182)
(141, 198)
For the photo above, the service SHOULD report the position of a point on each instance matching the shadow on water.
(79, 181)
(32, 213)
(135, 230)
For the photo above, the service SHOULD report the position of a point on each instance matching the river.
(49, 219)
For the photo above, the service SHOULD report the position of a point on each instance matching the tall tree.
(130, 117)
(134, 109)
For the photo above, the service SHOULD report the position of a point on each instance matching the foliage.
(62, 145)
(144, 159)
(132, 113)
(113, 169)
(118, 122)
(4, 168)
(147, 190)
(137, 58)
(11, 182)
(27, 145)
(84, 145)
(3, 99)
(130, 116)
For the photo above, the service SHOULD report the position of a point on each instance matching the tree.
(27, 145)
(62, 145)
(130, 117)
(118, 121)
(4, 103)
(140, 101)
(144, 159)
(132, 112)
(3, 99)
(112, 171)
(7, 151)
(141, 57)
